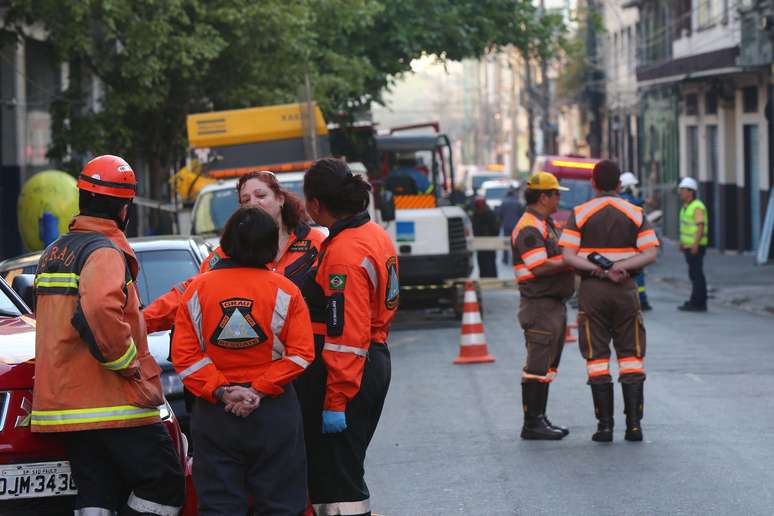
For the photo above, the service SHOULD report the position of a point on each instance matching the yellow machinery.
(228, 144)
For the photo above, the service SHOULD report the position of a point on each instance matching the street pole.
(545, 98)
(513, 61)
(530, 111)
(593, 83)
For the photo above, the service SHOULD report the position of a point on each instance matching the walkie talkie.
(598, 259)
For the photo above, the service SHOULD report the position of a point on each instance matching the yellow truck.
(227, 144)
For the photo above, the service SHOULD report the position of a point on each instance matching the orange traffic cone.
(568, 336)
(473, 348)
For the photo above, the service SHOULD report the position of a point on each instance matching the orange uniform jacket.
(358, 274)
(77, 380)
(300, 255)
(241, 325)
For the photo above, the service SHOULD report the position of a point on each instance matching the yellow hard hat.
(544, 181)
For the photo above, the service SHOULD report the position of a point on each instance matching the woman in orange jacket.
(343, 391)
(298, 244)
(242, 334)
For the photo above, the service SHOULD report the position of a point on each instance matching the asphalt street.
(448, 441)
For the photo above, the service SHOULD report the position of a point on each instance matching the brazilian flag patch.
(337, 281)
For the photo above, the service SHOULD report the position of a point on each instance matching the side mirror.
(387, 205)
(24, 285)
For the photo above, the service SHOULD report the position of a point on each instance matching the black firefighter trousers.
(336, 461)
(130, 470)
(261, 455)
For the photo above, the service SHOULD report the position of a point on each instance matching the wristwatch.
(219, 393)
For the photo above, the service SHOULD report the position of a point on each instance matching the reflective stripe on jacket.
(89, 328)
(610, 226)
(241, 325)
(358, 274)
(688, 227)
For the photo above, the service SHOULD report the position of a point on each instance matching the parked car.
(164, 261)
(35, 476)
(494, 191)
(475, 179)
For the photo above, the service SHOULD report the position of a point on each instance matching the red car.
(34, 471)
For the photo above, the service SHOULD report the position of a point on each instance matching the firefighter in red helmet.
(95, 381)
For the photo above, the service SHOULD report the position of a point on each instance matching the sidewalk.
(732, 280)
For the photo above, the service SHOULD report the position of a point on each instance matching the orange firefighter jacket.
(299, 256)
(358, 274)
(241, 325)
(89, 328)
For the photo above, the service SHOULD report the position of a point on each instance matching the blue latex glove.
(333, 422)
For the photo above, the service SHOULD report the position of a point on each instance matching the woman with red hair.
(297, 250)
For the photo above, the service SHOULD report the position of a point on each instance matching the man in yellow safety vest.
(693, 243)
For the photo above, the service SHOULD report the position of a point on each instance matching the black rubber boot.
(633, 408)
(603, 408)
(535, 425)
(562, 429)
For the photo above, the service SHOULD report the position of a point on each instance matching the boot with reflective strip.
(564, 430)
(603, 408)
(536, 428)
(633, 408)
(473, 347)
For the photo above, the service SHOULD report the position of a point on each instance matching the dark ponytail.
(331, 182)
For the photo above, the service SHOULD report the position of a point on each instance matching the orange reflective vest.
(358, 274)
(298, 258)
(89, 328)
(241, 325)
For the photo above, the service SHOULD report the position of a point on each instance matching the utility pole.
(514, 107)
(530, 110)
(594, 82)
(545, 99)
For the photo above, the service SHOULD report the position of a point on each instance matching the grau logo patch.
(237, 329)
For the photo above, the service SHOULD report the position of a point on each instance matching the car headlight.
(171, 384)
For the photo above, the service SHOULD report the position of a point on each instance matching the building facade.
(703, 81)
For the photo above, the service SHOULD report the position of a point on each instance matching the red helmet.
(108, 175)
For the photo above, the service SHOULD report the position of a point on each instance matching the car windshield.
(7, 306)
(296, 186)
(480, 180)
(580, 192)
(161, 270)
(496, 193)
(213, 210)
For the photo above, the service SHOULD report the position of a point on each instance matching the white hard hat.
(628, 179)
(689, 183)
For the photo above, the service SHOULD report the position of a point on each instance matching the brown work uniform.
(542, 312)
(617, 230)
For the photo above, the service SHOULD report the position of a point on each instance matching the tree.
(159, 60)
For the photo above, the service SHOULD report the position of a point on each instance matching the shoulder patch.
(337, 281)
(393, 283)
(301, 246)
